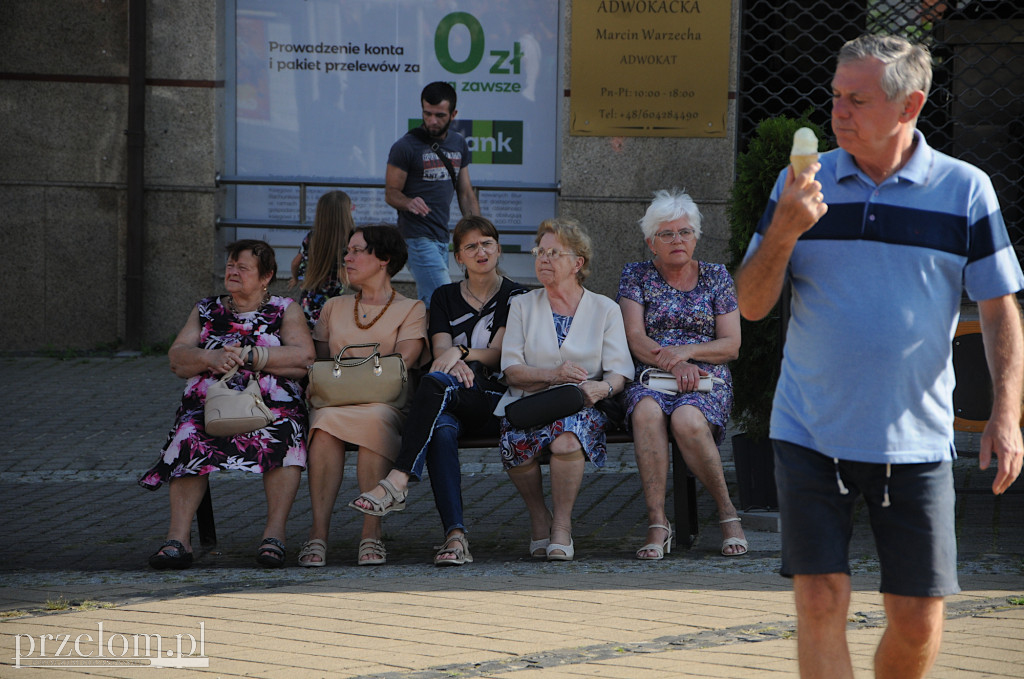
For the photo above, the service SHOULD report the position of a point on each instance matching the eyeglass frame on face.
(686, 235)
(355, 252)
(489, 246)
(551, 253)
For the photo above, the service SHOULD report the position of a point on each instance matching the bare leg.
(528, 481)
(280, 485)
(186, 492)
(371, 467)
(822, 602)
(912, 638)
(650, 445)
(567, 465)
(697, 445)
(326, 469)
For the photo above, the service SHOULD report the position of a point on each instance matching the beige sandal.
(315, 547)
(734, 542)
(461, 552)
(371, 547)
(393, 500)
(659, 549)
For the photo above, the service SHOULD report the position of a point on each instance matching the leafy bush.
(756, 371)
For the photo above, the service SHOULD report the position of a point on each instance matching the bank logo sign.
(492, 142)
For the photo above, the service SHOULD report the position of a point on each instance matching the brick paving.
(78, 530)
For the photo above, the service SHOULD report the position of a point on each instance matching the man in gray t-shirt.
(420, 187)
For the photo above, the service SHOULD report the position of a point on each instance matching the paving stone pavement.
(78, 530)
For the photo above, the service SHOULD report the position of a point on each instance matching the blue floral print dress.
(518, 446)
(673, 317)
(189, 449)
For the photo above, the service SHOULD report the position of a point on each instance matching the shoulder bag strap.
(435, 146)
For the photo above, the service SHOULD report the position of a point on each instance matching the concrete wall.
(62, 172)
(64, 98)
(63, 221)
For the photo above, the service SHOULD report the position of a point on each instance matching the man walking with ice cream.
(878, 239)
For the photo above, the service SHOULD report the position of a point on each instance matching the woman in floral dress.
(681, 317)
(209, 345)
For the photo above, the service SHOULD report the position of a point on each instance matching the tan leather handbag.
(228, 412)
(344, 381)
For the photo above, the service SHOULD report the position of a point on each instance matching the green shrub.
(756, 371)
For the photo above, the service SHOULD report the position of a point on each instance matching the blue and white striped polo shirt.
(867, 371)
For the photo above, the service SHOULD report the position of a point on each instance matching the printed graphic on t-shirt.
(435, 171)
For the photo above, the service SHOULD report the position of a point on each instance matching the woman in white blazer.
(560, 334)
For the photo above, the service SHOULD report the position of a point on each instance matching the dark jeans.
(440, 409)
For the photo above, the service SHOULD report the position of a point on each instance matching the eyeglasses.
(550, 253)
(485, 245)
(685, 235)
(355, 252)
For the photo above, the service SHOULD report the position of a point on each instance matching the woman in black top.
(467, 324)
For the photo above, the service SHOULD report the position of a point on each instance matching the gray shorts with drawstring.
(910, 507)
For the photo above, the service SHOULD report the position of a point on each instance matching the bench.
(683, 483)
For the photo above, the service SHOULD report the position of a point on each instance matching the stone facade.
(63, 186)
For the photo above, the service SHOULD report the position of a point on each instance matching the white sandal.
(539, 546)
(314, 547)
(733, 542)
(374, 548)
(660, 549)
(569, 551)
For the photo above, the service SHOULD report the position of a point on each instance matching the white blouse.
(596, 340)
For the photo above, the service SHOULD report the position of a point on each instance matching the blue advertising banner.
(322, 89)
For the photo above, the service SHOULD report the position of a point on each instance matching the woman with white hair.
(681, 316)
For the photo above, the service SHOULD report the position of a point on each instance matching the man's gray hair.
(669, 206)
(908, 66)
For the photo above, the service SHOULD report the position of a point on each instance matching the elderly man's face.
(864, 121)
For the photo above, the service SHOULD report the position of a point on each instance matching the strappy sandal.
(271, 553)
(393, 500)
(314, 547)
(171, 554)
(461, 552)
(659, 549)
(734, 542)
(371, 547)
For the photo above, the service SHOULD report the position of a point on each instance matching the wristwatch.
(464, 350)
(610, 390)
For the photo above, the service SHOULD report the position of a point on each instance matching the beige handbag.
(342, 381)
(665, 382)
(228, 412)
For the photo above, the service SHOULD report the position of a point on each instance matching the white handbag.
(665, 382)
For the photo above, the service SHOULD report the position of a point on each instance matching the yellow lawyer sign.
(650, 68)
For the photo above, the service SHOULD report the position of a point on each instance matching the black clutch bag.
(545, 407)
